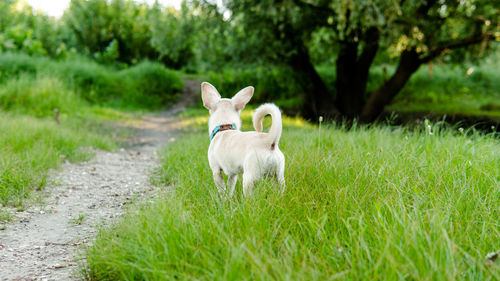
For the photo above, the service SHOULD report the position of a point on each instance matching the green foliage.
(13, 65)
(5, 13)
(22, 29)
(220, 43)
(451, 90)
(126, 31)
(151, 85)
(423, 25)
(172, 35)
(94, 82)
(118, 27)
(364, 204)
(145, 85)
(272, 84)
(353, 32)
(38, 96)
(108, 31)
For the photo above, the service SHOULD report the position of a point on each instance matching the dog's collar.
(221, 128)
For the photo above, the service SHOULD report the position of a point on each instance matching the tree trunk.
(318, 100)
(352, 73)
(409, 62)
(350, 92)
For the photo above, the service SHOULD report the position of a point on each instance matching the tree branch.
(408, 64)
(464, 42)
(370, 49)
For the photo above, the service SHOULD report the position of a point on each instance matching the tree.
(6, 15)
(172, 35)
(109, 30)
(22, 28)
(128, 32)
(414, 31)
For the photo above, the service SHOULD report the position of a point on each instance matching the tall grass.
(31, 141)
(369, 204)
(29, 147)
(146, 85)
(38, 96)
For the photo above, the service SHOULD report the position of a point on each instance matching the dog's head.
(224, 111)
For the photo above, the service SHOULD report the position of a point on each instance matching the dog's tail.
(276, 127)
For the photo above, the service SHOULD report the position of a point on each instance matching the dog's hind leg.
(248, 183)
(231, 184)
(280, 176)
(219, 182)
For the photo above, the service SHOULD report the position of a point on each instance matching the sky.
(56, 7)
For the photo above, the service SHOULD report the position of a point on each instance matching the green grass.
(147, 85)
(38, 96)
(375, 203)
(86, 95)
(29, 147)
(31, 141)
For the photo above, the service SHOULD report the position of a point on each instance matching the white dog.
(255, 154)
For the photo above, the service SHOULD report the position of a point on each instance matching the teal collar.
(221, 128)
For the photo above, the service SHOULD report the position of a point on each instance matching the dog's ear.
(209, 95)
(242, 98)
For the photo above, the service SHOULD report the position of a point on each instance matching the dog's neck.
(214, 122)
(221, 128)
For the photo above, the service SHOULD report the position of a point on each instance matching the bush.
(272, 84)
(146, 85)
(151, 85)
(38, 96)
(93, 82)
(12, 65)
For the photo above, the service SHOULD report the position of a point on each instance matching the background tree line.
(279, 42)
(120, 31)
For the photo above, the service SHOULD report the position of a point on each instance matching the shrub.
(38, 96)
(12, 64)
(94, 82)
(150, 85)
(272, 84)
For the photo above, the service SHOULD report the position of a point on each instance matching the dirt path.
(44, 241)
